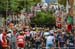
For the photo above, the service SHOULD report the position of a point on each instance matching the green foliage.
(43, 19)
(3, 4)
(63, 2)
(37, 1)
(70, 19)
(15, 5)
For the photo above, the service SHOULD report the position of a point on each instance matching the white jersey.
(50, 39)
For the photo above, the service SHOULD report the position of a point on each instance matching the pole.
(6, 14)
(26, 13)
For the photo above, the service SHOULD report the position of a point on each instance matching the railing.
(58, 48)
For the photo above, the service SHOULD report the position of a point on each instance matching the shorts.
(49, 45)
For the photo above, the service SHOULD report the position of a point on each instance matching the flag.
(69, 27)
(70, 20)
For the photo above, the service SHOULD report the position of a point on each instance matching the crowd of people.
(17, 35)
(28, 38)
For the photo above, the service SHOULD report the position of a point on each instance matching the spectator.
(71, 41)
(21, 40)
(37, 41)
(50, 41)
(13, 38)
(61, 40)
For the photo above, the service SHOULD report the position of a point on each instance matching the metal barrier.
(50, 48)
(58, 48)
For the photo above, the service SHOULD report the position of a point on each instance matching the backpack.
(20, 41)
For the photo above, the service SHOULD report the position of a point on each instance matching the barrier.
(58, 48)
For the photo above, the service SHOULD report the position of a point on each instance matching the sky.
(49, 1)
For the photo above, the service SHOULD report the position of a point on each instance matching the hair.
(21, 33)
(24, 29)
(9, 32)
(51, 34)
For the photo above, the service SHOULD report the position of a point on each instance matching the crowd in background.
(42, 38)
(18, 35)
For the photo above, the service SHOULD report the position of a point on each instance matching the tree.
(43, 19)
(37, 1)
(63, 2)
(7, 5)
(3, 4)
(16, 5)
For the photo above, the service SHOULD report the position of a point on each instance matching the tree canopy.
(63, 2)
(15, 5)
(43, 19)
